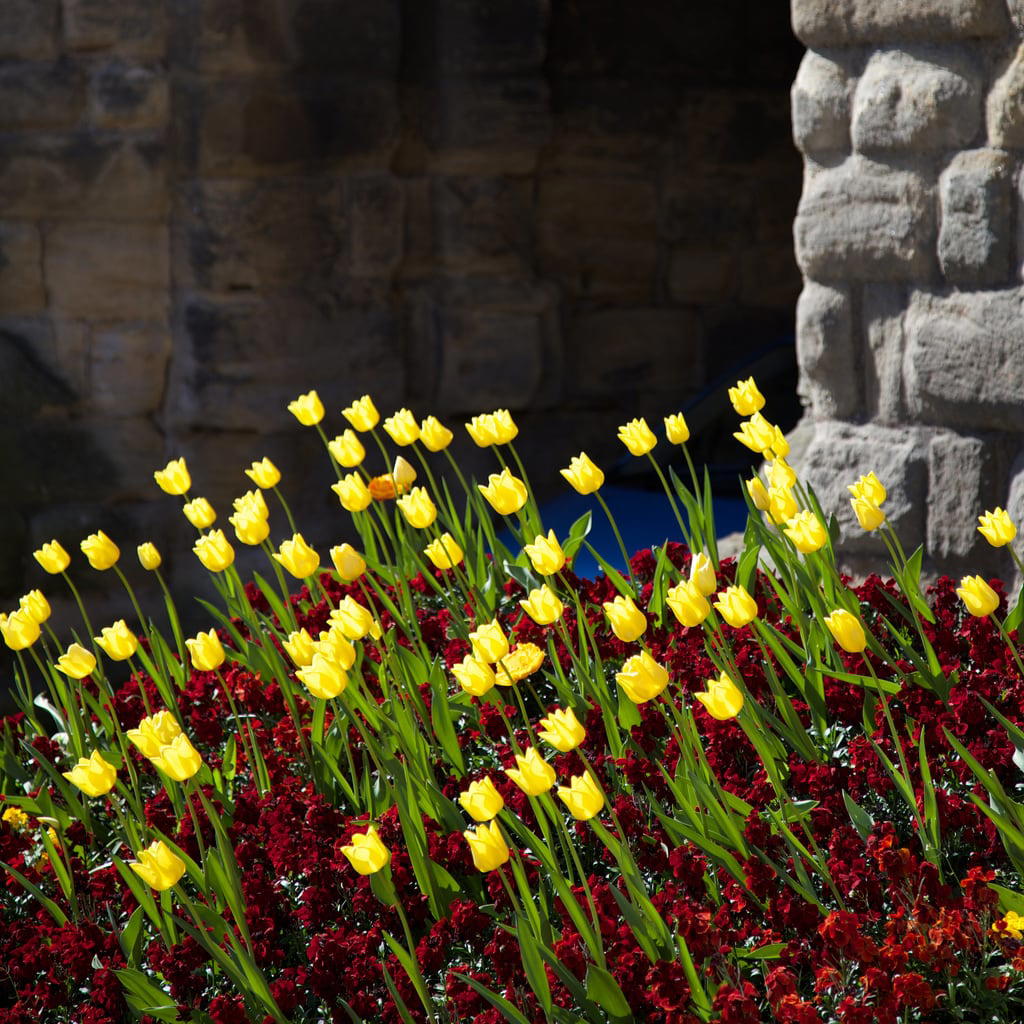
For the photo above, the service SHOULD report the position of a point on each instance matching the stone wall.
(910, 335)
(574, 209)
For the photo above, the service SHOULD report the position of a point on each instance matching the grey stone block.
(865, 221)
(849, 22)
(128, 369)
(962, 366)
(40, 96)
(829, 381)
(21, 268)
(1014, 499)
(820, 100)
(1005, 107)
(28, 29)
(974, 239)
(883, 307)
(913, 101)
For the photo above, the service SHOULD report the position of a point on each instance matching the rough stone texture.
(865, 221)
(850, 22)
(962, 365)
(1005, 106)
(829, 378)
(883, 310)
(821, 104)
(915, 101)
(974, 239)
(1015, 495)
(21, 268)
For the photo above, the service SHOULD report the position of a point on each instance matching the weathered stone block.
(129, 97)
(825, 350)
(820, 100)
(31, 386)
(699, 274)
(137, 27)
(376, 207)
(21, 268)
(883, 307)
(849, 22)
(1015, 498)
(974, 240)
(865, 221)
(28, 29)
(501, 37)
(233, 36)
(103, 271)
(358, 37)
(769, 277)
(1005, 106)
(40, 97)
(962, 366)
(914, 100)
(634, 353)
(128, 369)
(838, 454)
(961, 480)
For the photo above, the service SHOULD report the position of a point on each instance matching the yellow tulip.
(582, 796)
(978, 597)
(352, 618)
(505, 493)
(637, 436)
(349, 563)
(543, 606)
(52, 557)
(307, 409)
(997, 527)
(214, 551)
(642, 678)
(253, 504)
(206, 651)
(758, 494)
(178, 759)
(688, 604)
(757, 434)
(489, 642)
(298, 557)
(846, 630)
(418, 508)
(93, 775)
(481, 801)
(149, 556)
(781, 474)
(627, 621)
(868, 514)
(444, 552)
(100, 550)
(488, 846)
(869, 488)
(347, 450)
(366, 852)
(323, 677)
(362, 414)
(36, 605)
(532, 774)
(562, 729)
(403, 474)
(780, 446)
(174, 478)
(199, 512)
(264, 474)
(20, 631)
(583, 475)
(746, 398)
(299, 647)
(723, 699)
(504, 426)
(545, 554)
(676, 429)
(736, 606)
(474, 676)
(496, 427)
(402, 428)
(435, 435)
(806, 532)
(76, 662)
(118, 641)
(154, 733)
(782, 505)
(249, 529)
(353, 494)
(158, 867)
(702, 574)
(335, 646)
(522, 661)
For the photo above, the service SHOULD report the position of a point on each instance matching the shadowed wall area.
(578, 210)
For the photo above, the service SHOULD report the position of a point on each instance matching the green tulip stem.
(671, 500)
(189, 787)
(618, 536)
(1009, 644)
(287, 510)
(81, 609)
(131, 594)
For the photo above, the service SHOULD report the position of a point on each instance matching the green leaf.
(770, 952)
(611, 572)
(145, 996)
(862, 821)
(1008, 899)
(500, 1003)
(578, 532)
(605, 991)
(47, 904)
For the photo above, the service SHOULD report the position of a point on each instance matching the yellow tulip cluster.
(159, 738)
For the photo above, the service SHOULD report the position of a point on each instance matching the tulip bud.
(488, 846)
(353, 494)
(806, 532)
(323, 677)
(117, 641)
(688, 604)
(481, 801)
(868, 514)
(52, 557)
(347, 450)
(444, 552)
(352, 618)
(299, 647)
(362, 414)
(214, 551)
(522, 661)
(93, 775)
(702, 574)
(403, 474)
(77, 662)
(532, 774)
(474, 676)
(997, 527)
(543, 606)
(489, 642)
(20, 631)
(780, 446)
(264, 474)
(505, 493)
(158, 867)
(869, 488)
(174, 478)
(676, 429)
(100, 550)
(846, 630)
(402, 428)
(178, 759)
(757, 434)
(199, 512)
(736, 606)
(758, 494)
(336, 647)
(978, 597)
(746, 398)
(154, 733)
(298, 557)
(627, 621)
(435, 435)
(366, 853)
(307, 409)
(35, 605)
(149, 557)
(723, 699)
(781, 474)
(637, 437)
(562, 729)
(583, 475)
(545, 554)
(250, 529)
(782, 505)
(642, 678)
(505, 430)
(253, 504)
(206, 651)
(349, 563)
(418, 508)
(582, 796)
